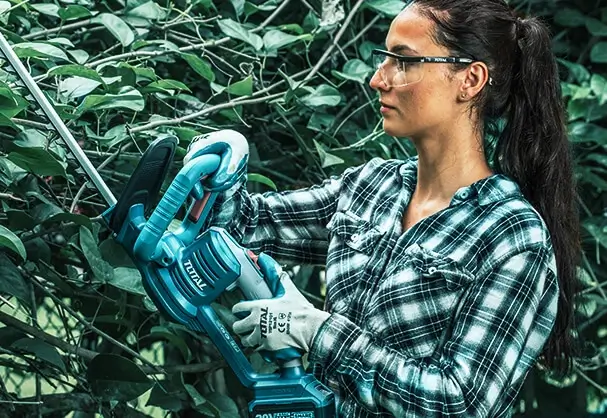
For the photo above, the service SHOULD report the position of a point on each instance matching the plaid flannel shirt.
(445, 319)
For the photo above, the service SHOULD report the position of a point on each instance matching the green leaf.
(38, 161)
(259, 178)
(174, 339)
(101, 269)
(128, 279)
(196, 397)
(42, 350)
(236, 31)
(320, 121)
(4, 6)
(242, 88)
(366, 48)
(149, 11)
(390, 8)
(45, 211)
(70, 217)
(570, 18)
(326, 159)
(598, 233)
(226, 406)
(48, 9)
(167, 399)
(275, 39)
(355, 70)
(11, 241)
(598, 53)
(7, 92)
(75, 87)
(589, 109)
(292, 27)
(76, 70)
(587, 132)
(165, 86)
(39, 50)
(115, 254)
(200, 66)
(79, 55)
(324, 95)
(115, 378)
(60, 42)
(9, 335)
(18, 220)
(73, 11)
(185, 134)
(238, 6)
(117, 27)
(11, 107)
(38, 250)
(598, 84)
(128, 98)
(4, 121)
(12, 282)
(596, 27)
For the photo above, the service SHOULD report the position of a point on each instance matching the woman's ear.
(474, 79)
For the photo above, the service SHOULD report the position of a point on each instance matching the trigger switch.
(253, 258)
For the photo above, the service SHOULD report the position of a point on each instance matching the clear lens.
(395, 73)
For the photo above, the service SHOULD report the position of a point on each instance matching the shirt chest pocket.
(416, 300)
(352, 242)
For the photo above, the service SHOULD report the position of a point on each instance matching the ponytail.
(534, 150)
(523, 118)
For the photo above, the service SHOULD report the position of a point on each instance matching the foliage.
(290, 75)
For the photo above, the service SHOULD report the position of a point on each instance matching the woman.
(451, 273)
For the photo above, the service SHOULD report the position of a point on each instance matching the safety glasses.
(400, 70)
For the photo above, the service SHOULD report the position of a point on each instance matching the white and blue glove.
(289, 320)
(233, 149)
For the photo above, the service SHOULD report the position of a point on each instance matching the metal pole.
(56, 121)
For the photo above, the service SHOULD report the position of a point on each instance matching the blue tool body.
(186, 269)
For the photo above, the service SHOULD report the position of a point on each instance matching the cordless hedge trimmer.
(184, 271)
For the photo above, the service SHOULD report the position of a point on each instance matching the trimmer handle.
(147, 246)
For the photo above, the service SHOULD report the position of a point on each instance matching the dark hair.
(523, 111)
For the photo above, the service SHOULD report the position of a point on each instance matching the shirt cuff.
(338, 340)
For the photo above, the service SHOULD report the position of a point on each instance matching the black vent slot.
(181, 279)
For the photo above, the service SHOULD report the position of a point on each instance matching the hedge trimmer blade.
(56, 121)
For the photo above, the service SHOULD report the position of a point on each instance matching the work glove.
(233, 149)
(288, 320)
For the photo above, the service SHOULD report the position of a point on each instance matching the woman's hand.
(288, 320)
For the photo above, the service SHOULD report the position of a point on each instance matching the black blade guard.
(145, 182)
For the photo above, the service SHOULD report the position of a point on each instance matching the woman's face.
(428, 105)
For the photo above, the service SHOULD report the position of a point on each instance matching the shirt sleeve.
(504, 321)
(290, 226)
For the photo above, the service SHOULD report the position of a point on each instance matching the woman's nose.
(376, 82)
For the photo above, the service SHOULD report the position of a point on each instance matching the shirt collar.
(494, 188)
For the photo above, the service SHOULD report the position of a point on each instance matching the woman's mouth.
(385, 108)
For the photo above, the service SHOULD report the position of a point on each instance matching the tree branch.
(89, 354)
(51, 339)
(45, 32)
(329, 50)
(56, 404)
(11, 197)
(151, 54)
(88, 325)
(228, 105)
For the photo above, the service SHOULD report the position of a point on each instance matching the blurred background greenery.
(292, 76)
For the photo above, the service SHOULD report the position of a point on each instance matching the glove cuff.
(316, 319)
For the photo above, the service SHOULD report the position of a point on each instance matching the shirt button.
(355, 237)
(432, 270)
(465, 194)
